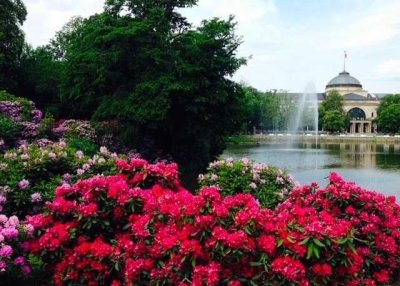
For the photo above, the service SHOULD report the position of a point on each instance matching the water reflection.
(343, 155)
(373, 166)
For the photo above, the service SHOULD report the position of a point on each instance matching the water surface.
(372, 166)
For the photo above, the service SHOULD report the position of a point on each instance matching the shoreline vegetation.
(276, 138)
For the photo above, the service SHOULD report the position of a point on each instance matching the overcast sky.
(291, 42)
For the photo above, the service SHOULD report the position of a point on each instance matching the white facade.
(358, 103)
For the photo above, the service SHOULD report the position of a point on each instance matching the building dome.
(344, 79)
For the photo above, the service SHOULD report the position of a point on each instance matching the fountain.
(306, 113)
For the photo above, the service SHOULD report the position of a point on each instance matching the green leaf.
(318, 242)
(316, 252)
(304, 241)
(351, 246)
(256, 263)
(310, 251)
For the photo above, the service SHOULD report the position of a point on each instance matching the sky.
(289, 43)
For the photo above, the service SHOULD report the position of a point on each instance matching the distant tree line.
(266, 111)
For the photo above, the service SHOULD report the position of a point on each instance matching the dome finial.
(344, 61)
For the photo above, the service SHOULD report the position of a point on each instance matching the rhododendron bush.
(343, 234)
(30, 173)
(141, 227)
(268, 184)
(13, 249)
(19, 119)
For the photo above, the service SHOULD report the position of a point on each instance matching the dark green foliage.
(45, 128)
(12, 16)
(331, 113)
(45, 169)
(267, 110)
(334, 121)
(269, 185)
(84, 144)
(163, 82)
(40, 77)
(142, 65)
(388, 101)
(142, 9)
(334, 101)
(389, 114)
(27, 106)
(60, 43)
(8, 128)
(261, 109)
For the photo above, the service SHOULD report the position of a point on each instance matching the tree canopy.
(12, 16)
(331, 113)
(139, 64)
(389, 114)
(166, 84)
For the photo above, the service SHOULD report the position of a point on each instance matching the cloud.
(46, 17)
(256, 18)
(368, 27)
(246, 12)
(390, 68)
(290, 41)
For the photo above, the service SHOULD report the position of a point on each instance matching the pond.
(372, 166)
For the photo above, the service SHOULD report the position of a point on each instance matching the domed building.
(360, 105)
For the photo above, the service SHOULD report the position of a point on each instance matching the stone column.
(361, 127)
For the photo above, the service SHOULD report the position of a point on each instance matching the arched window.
(356, 114)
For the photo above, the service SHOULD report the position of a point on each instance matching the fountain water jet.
(307, 104)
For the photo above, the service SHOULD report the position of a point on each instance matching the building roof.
(344, 79)
(354, 96)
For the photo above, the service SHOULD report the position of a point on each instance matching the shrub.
(141, 227)
(268, 184)
(86, 145)
(75, 128)
(8, 128)
(19, 108)
(45, 128)
(13, 254)
(19, 118)
(342, 234)
(89, 137)
(30, 174)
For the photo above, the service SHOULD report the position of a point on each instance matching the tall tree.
(334, 101)
(12, 15)
(332, 115)
(142, 9)
(164, 82)
(60, 43)
(389, 114)
(40, 78)
(334, 121)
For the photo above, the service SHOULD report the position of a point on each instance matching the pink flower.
(79, 154)
(6, 251)
(36, 197)
(23, 184)
(13, 221)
